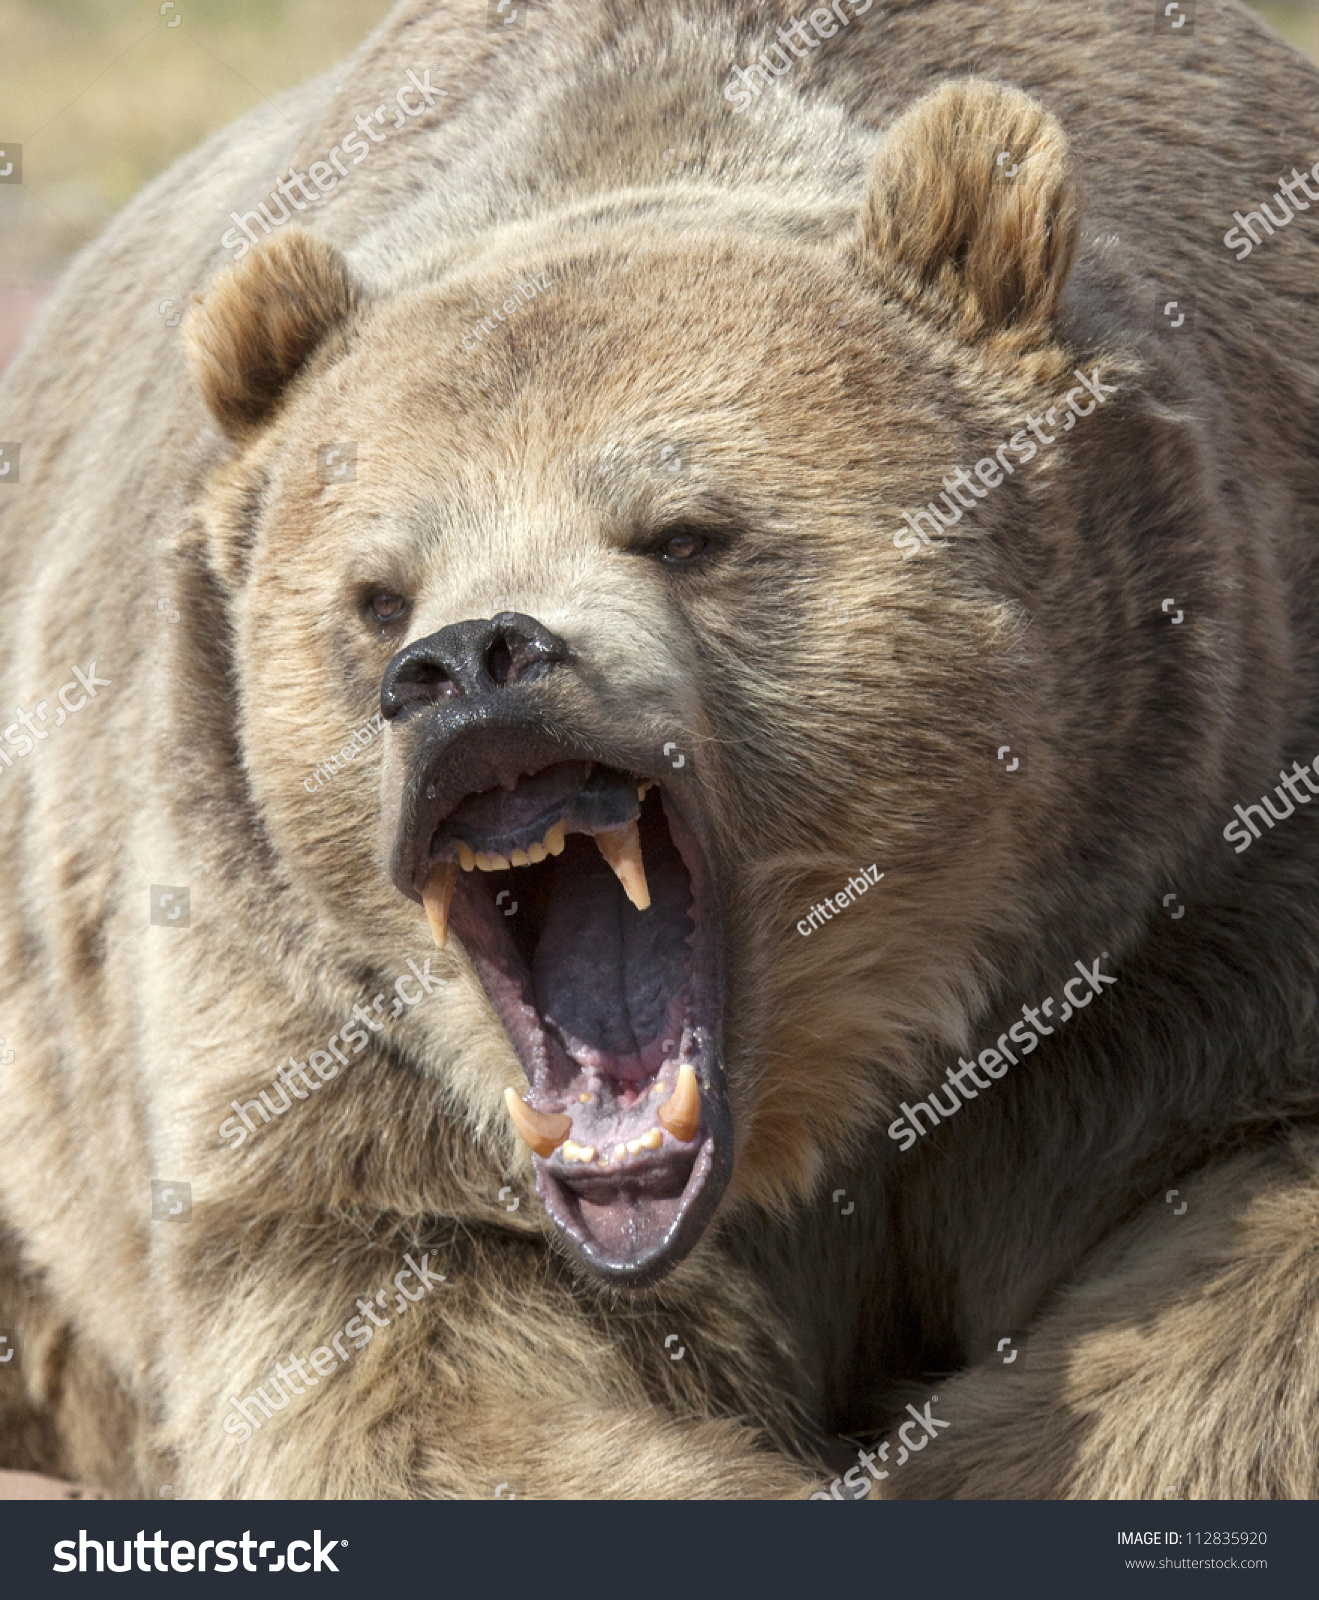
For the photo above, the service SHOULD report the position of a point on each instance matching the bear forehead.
(658, 376)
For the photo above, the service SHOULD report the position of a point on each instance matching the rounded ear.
(972, 214)
(256, 326)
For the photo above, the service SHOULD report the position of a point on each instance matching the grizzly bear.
(621, 756)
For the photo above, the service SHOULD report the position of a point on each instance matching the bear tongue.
(604, 973)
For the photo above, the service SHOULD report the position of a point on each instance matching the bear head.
(661, 666)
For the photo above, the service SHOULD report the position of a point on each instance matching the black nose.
(467, 659)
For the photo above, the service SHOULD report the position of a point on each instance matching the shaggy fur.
(829, 301)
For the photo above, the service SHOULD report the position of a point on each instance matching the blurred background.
(103, 94)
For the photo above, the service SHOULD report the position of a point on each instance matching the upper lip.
(494, 751)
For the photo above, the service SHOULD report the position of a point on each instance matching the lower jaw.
(634, 1239)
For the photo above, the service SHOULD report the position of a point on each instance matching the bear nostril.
(499, 661)
(522, 649)
(432, 680)
(425, 681)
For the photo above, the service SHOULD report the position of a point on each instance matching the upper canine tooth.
(544, 1131)
(436, 897)
(466, 856)
(681, 1112)
(621, 848)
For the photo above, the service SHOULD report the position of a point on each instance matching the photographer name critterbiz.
(522, 295)
(845, 897)
(358, 741)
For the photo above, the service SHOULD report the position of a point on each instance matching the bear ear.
(252, 331)
(972, 215)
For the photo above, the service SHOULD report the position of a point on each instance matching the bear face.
(651, 656)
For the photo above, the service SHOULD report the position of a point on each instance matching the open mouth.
(586, 905)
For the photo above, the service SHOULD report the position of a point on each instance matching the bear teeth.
(681, 1112)
(578, 1152)
(490, 861)
(437, 897)
(621, 848)
(544, 1131)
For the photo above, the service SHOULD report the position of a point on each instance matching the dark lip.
(481, 750)
(708, 1168)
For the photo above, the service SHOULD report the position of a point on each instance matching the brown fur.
(829, 301)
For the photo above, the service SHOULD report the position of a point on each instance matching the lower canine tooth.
(621, 848)
(681, 1112)
(544, 1131)
(436, 897)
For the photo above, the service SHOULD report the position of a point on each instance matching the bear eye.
(683, 545)
(387, 607)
